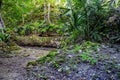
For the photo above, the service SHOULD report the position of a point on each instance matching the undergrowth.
(80, 53)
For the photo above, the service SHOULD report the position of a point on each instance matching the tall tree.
(1, 20)
(47, 7)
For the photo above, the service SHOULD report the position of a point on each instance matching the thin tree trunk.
(2, 26)
(45, 15)
(49, 13)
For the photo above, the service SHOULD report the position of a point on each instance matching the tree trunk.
(49, 13)
(45, 15)
(2, 26)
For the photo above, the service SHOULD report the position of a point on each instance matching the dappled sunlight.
(59, 39)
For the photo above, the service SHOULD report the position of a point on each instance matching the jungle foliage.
(77, 19)
(87, 19)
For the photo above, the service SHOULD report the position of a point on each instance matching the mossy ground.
(86, 61)
(7, 49)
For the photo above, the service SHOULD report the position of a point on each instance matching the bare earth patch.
(14, 68)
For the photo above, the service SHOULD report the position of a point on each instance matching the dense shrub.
(4, 37)
(87, 19)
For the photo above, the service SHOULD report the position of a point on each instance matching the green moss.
(34, 40)
(47, 58)
(55, 64)
(8, 47)
(55, 60)
(88, 48)
(31, 63)
(77, 48)
(89, 45)
(118, 74)
(26, 55)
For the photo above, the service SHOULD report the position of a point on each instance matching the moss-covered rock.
(31, 63)
(34, 40)
(8, 48)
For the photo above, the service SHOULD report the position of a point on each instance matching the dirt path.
(13, 68)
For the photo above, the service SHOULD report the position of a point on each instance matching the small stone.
(52, 77)
(98, 49)
(70, 56)
(103, 46)
(60, 69)
(67, 68)
(70, 47)
(114, 57)
(59, 51)
(1, 63)
(118, 64)
(80, 51)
